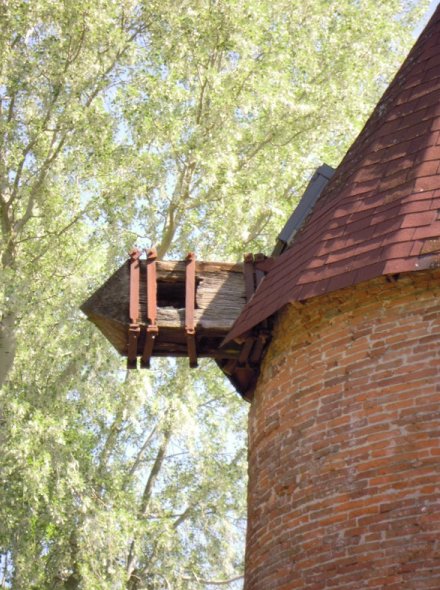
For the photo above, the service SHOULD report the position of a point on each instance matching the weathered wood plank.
(220, 297)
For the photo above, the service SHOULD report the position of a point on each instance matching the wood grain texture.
(220, 297)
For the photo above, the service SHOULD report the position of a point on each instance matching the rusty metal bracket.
(134, 329)
(190, 302)
(151, 330)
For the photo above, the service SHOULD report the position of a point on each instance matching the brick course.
(344, 445)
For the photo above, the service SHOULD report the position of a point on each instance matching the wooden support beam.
(246, 350)
(194, 305)
(260, 343)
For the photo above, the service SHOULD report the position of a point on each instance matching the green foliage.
(192, 125)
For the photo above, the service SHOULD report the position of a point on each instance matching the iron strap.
(151, 330)
(134, 329)
(190, 301)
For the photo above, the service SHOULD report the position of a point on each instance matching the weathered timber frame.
(243, 371)
(151, 307)
(151, 327)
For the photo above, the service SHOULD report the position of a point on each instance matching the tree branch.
(146, 496)
(141, 452)
(184, 516)
(169, 231)
(154, 473)
(44, 170)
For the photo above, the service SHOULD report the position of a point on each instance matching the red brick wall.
(344, 437)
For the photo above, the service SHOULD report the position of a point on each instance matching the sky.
(432, 7)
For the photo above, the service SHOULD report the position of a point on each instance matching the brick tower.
(344, 427)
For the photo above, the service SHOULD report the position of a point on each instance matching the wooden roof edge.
(201, 265)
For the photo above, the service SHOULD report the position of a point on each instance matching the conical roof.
(380, 213)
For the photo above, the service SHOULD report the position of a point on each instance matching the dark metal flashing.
(312, 193)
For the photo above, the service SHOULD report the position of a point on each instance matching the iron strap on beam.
(134, 329)
(190, 302)
(151, 289)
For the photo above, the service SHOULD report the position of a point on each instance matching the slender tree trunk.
(8, 316)
(72, 583)
(132, 579)
(74, 580)
(8, 345)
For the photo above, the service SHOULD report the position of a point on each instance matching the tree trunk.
(8, 345)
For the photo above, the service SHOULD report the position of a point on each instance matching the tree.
(194, 126)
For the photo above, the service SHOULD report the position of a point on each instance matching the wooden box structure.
(151, 307)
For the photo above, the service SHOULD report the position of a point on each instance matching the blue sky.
(421, 26)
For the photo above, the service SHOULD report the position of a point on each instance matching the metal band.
(190, 301)
(151, 289)
(150, 335)
(134, 329)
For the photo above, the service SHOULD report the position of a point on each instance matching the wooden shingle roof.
(380, 212)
